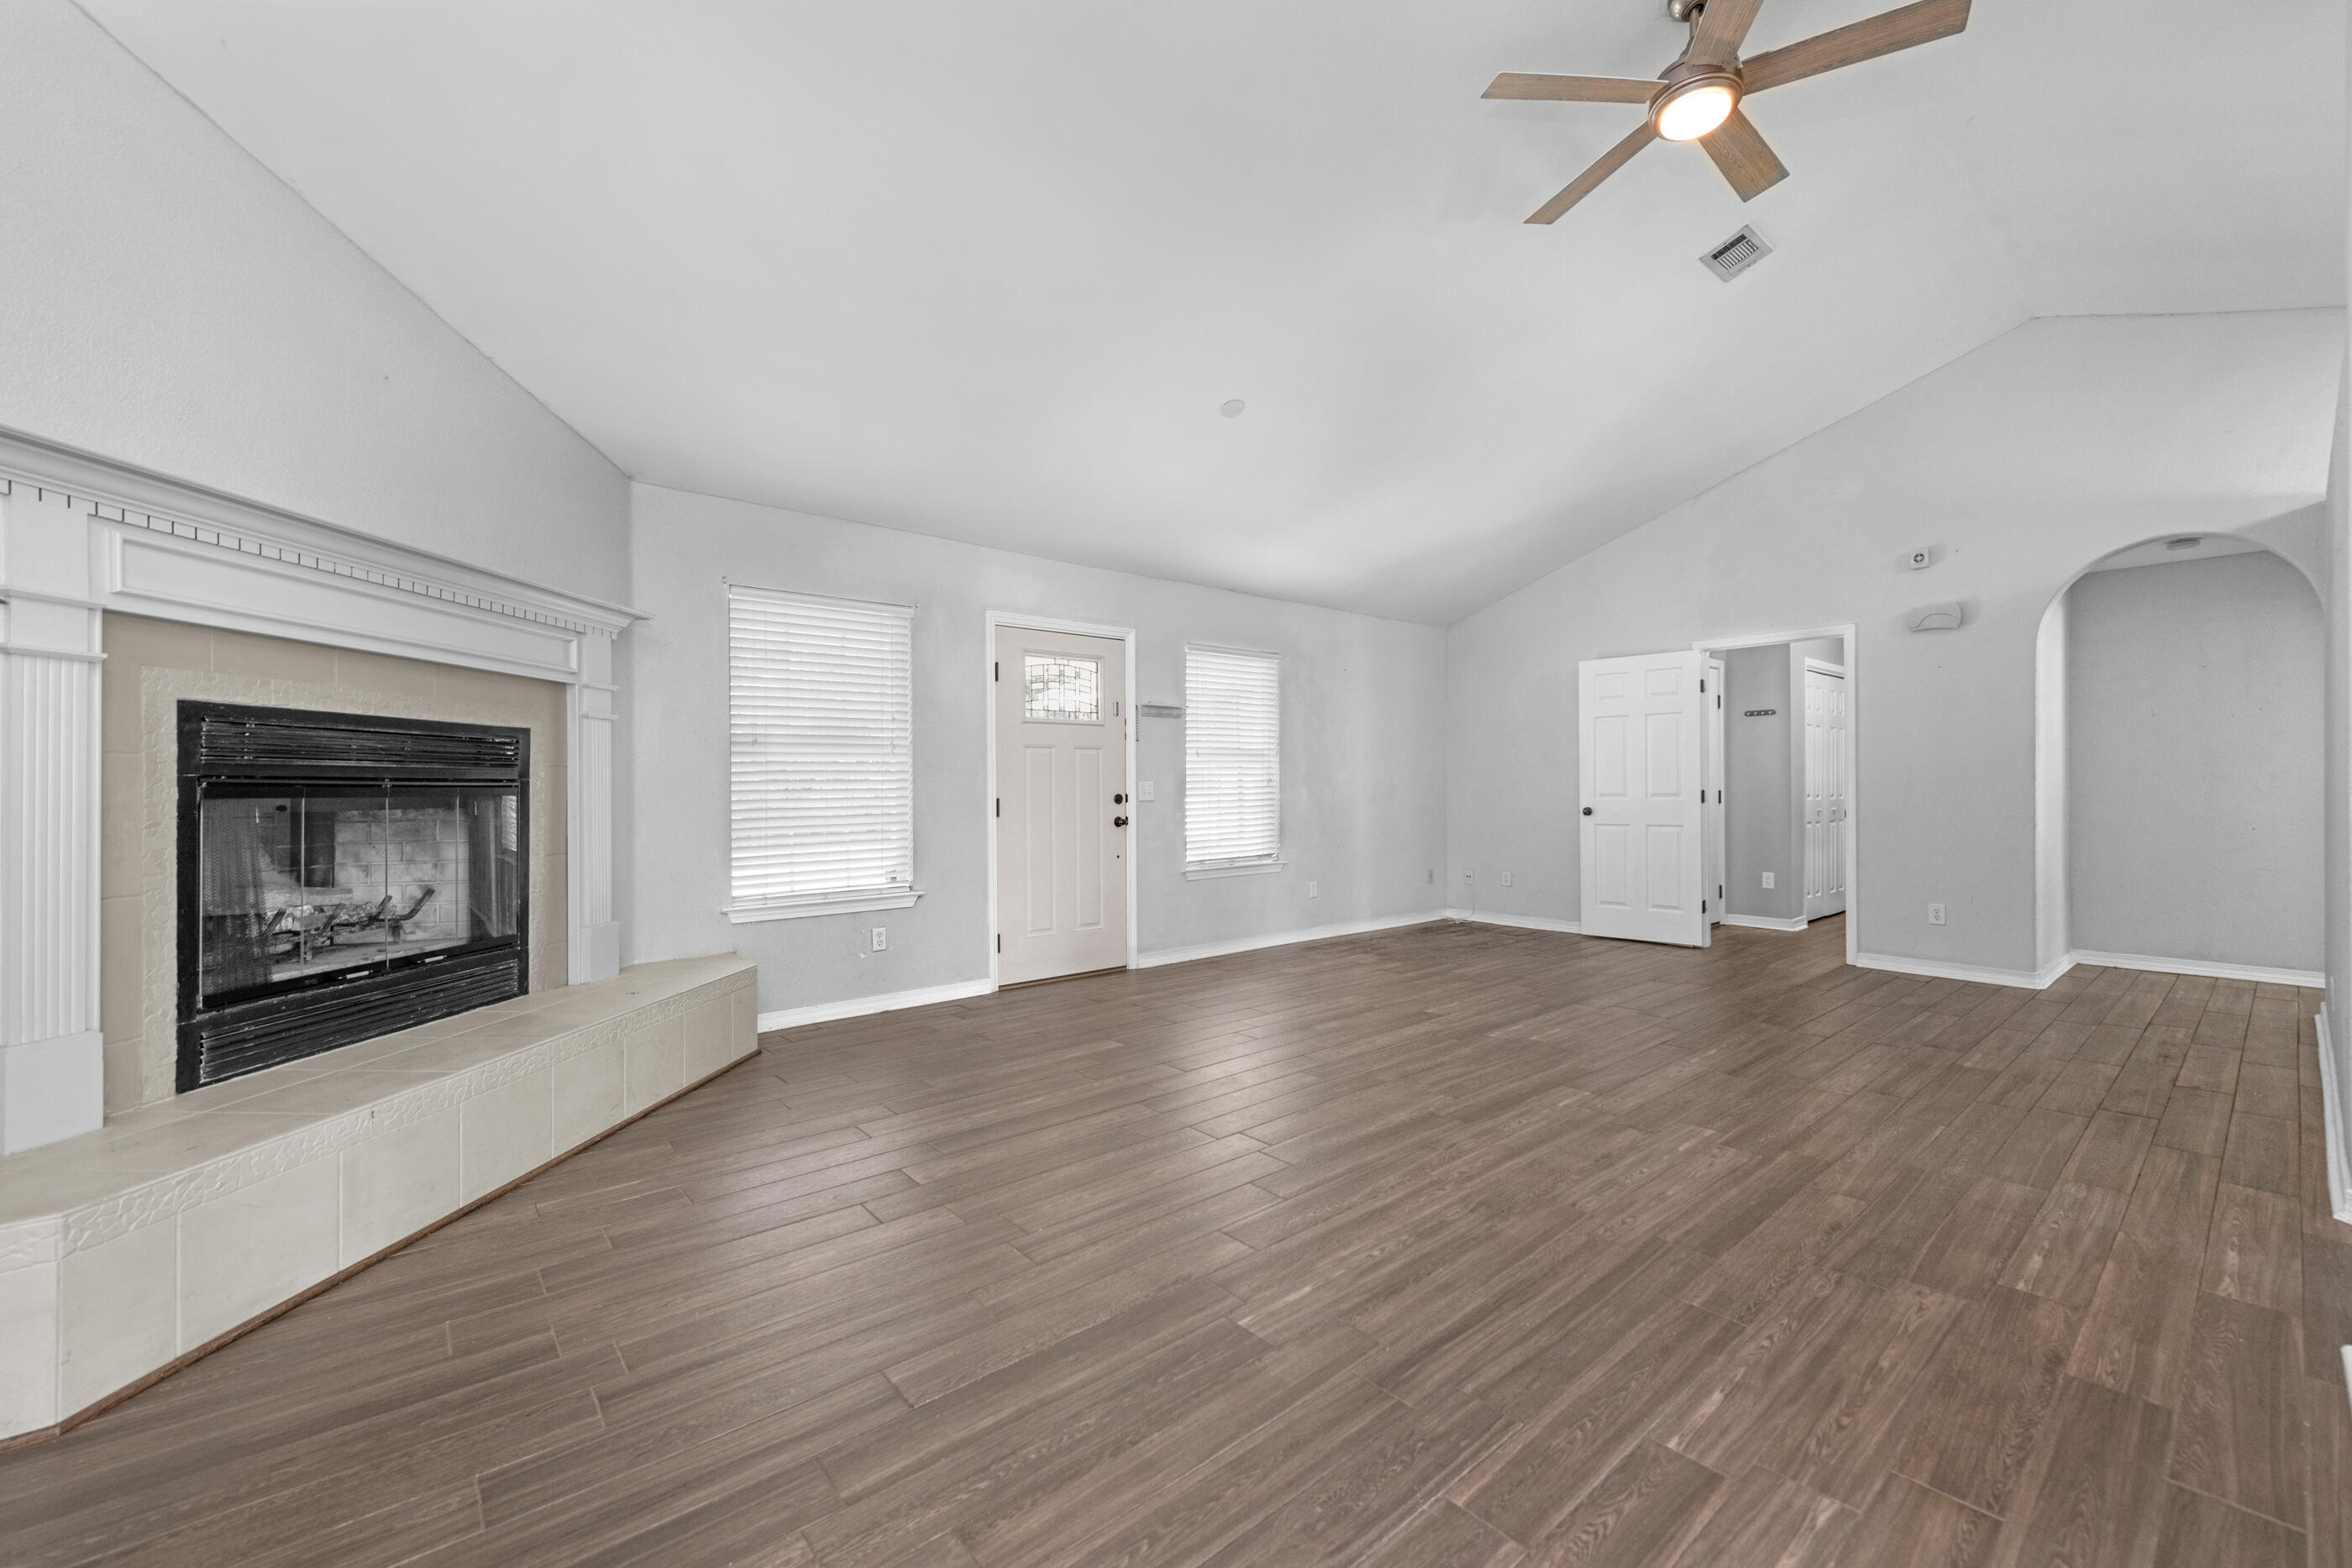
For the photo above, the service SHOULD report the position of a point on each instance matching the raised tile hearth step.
(127, 1252)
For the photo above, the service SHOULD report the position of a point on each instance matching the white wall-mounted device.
(1933, 618)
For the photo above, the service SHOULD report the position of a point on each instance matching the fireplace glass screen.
(343, 876)
(308, 882)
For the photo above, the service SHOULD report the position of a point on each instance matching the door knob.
(1119, 821)
(1588, 810)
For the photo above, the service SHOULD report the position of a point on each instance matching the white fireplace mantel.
(80, 535)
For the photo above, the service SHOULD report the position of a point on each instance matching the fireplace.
(343, 876)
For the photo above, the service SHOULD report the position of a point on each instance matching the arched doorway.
(2178, 750)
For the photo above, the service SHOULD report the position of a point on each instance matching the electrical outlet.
(1143, 791)
(1767, 879)
(1935, 914)
(881, 938)
(1468, 873)
(1433, 876)
(1314, 890)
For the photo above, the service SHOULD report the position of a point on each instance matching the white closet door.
(1825, 789)
(1640, 766)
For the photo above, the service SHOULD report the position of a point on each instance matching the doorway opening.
(1783, 838)
(1061, 743)
(2179, 810)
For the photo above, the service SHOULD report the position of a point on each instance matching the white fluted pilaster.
(51, 1055)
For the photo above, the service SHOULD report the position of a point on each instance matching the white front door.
(1825, 789)
(1061, 804)
(1639, 766)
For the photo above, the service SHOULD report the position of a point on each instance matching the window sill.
(850, 903)
(1246, 868)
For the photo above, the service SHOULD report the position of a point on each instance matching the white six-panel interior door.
(1640, 775)
(1825, 789)
(1061, 804)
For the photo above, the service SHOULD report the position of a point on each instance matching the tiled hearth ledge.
(127, 1252)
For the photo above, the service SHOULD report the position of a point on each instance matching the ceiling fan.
(1698, 98)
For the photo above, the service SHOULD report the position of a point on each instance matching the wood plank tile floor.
(1454, 1245)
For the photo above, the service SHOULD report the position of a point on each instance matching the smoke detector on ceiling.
(1736, 255)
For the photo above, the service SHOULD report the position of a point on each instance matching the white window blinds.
(1233, 756)
(820, 697)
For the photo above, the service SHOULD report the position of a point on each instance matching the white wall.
(170, 303)
(2024, 462)
(2194, 717)
(1362, 768)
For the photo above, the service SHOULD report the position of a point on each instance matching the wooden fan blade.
(1584, 184)
(1903, 28)
(1721, 28)
(1572, 90)
(1739, 149)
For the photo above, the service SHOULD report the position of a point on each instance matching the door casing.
(1853, 752)
(988, 783)
(1711, 809)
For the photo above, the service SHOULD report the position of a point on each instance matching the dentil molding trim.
(139, 498)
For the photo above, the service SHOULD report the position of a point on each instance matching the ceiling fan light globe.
(1692, 110)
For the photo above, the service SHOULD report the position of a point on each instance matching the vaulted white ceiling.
(987, 271)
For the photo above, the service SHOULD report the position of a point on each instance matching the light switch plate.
(1767, 879)
(1143, 791)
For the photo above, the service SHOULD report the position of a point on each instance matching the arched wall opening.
(2178, 759)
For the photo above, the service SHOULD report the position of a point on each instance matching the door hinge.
(1702, 906)
(1702, 687)
(1000, 805)
(1000, 941)
(995, 670)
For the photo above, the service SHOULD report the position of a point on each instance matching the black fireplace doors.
(343, 876)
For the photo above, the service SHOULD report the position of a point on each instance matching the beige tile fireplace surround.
(150, 665)
(126, 1251)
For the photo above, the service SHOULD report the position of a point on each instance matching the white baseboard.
(1935, 969)
(1765, 921)
(1521, 922)
(2255, 972)
(2338, 1134)
(1281, 939)
(888, 1002)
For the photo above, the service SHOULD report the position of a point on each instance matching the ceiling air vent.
(1736, 255)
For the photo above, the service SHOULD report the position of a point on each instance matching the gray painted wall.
(2194, 703)
(171, 303)
(1759, 805)
(1363, 735)
(2023, 462)
(1764, 775)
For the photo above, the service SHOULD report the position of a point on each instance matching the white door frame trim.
(1853, 752)
(987, 784)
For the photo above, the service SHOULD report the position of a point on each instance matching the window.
(1058, 688)
(1232, 759)
(820, 697)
